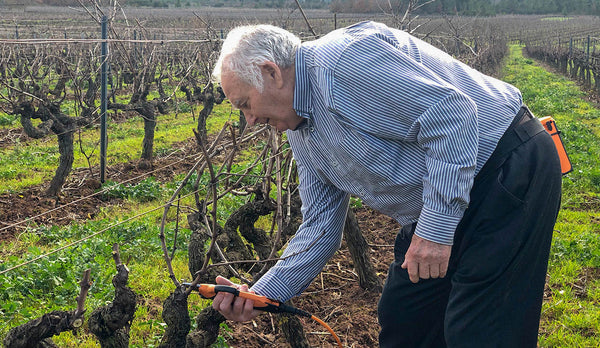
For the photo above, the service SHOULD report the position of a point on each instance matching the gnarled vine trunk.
(65, 148)
(208, 101)
(359, 250)
(176, 316)
(111, 323)
(53, 120)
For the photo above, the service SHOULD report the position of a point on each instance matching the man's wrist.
(437, 227)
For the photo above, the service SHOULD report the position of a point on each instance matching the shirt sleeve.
(385, 90)
(324, 209)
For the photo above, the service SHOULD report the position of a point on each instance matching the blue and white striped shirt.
(394, 121)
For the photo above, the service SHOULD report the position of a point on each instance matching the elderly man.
(452, 154)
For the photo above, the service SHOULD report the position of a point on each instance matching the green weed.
(8, 120)
(147, 190)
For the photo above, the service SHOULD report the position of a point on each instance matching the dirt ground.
(79, 199)
(334, 296)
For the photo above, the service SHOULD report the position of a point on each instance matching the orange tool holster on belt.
(550, 125)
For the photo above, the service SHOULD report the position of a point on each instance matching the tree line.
(435, 7)
(474, 7)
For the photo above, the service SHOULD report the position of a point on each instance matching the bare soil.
(334, 296)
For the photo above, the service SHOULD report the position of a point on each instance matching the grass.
(570, 314)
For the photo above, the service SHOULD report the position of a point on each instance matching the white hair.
(247, 47)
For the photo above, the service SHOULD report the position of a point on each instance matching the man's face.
(274, 106)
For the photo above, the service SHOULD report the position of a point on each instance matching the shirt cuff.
(437, 227)
(270, 286)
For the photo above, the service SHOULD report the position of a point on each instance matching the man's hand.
(425, 259)
(232, 307)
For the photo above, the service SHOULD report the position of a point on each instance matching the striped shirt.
(394, 121)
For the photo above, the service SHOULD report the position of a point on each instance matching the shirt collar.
(302, 100)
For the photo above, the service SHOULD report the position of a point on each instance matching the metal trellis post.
(587, 56)
(103, 101)
(571, 48)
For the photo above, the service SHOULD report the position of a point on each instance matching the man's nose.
(250, 119)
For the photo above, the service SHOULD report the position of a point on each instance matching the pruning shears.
(261, 303)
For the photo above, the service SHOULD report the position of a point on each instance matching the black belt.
(522, 116)
(524, 127)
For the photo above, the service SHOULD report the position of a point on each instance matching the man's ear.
(272, 72)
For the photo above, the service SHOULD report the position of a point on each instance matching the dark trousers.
(492, 294)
